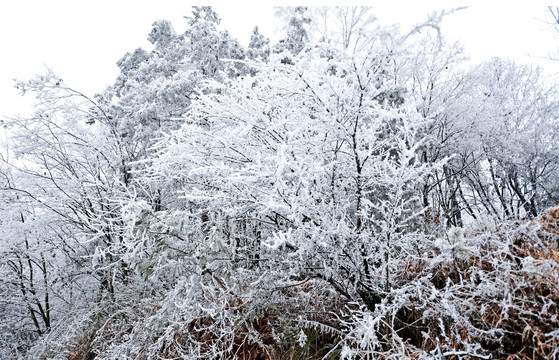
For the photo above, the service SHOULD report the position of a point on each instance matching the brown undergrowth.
(494, 296)
(503, 295)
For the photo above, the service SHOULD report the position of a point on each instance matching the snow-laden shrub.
(498, 299)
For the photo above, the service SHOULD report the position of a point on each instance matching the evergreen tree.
(259, 46)
(297, 36)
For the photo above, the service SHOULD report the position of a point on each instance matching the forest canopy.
(351, 191)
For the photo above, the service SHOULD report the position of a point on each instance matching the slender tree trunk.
(499, 192)
(455, 213)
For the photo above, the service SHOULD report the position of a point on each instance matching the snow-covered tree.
(299, 168)
(259, 46)
(296, 22)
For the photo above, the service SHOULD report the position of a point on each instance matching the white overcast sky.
(82, 40)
